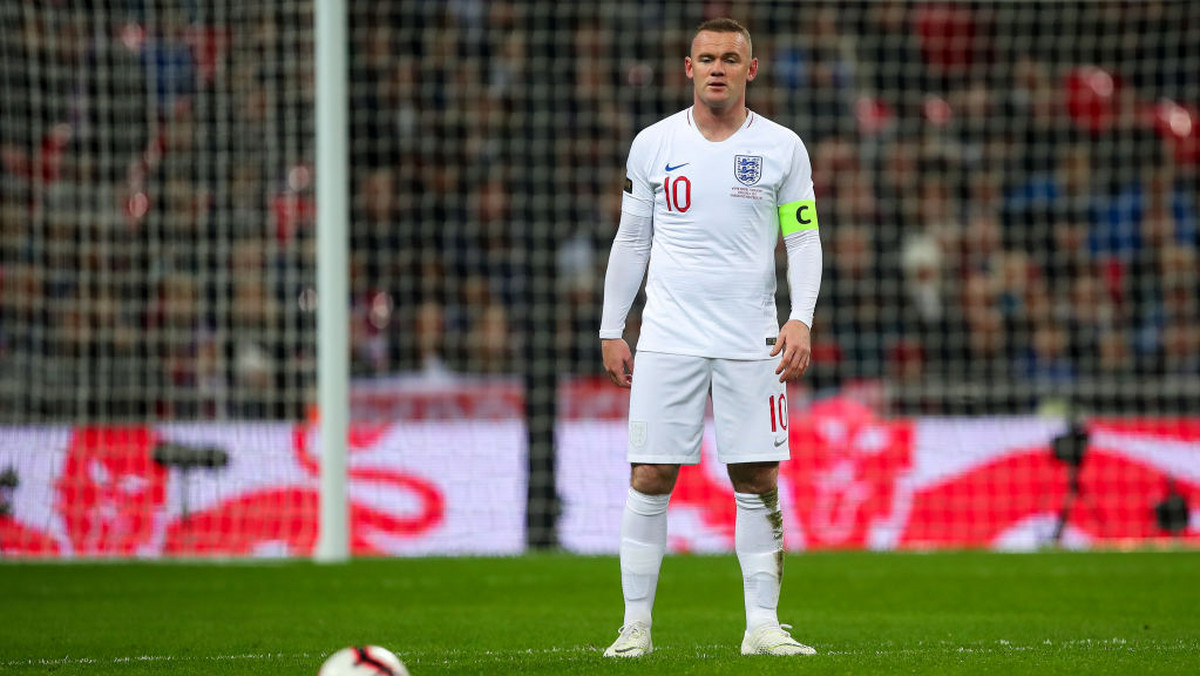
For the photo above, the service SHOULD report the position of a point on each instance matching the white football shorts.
(669, 398)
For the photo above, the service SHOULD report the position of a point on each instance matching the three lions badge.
(747, 169)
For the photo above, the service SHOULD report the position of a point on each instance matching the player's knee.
(754, 477)
(653, 479)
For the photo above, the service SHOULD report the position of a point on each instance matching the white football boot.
(634, 641)
(773, 639)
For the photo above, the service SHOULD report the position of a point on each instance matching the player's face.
(719, 68)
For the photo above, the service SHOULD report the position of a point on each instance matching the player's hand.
(618, 361)
(795, 344)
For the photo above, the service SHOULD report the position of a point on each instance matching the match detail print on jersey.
(797, 216)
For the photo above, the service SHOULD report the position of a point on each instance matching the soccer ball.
(363, 660)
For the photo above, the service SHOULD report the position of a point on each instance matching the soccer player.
(707, 193)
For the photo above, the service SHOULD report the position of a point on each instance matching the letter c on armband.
(797, 216)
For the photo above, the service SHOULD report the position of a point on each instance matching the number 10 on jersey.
(673, 188)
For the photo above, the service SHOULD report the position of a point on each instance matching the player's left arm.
(794, 342)
(801, 237)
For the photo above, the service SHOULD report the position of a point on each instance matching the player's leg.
(666, 424)
(758, 539)
(644, 537)
(643, 544)
(750, 411)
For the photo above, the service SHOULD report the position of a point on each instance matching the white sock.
(758, 540)
(643, 543)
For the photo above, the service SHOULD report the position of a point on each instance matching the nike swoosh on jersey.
(780, 443)
(670, 168)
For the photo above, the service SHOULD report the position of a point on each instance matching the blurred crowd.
(1008, 191)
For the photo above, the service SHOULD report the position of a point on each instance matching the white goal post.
(333, 210)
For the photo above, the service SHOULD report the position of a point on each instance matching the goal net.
(1006, 347)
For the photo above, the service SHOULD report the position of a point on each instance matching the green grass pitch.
(942, 613)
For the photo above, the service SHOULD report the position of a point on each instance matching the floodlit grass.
(956, 613)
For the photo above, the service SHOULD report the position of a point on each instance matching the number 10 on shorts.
(779, 412)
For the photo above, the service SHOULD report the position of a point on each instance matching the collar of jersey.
(692, 124)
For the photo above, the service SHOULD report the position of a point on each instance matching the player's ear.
(753, 71)
(687, 66)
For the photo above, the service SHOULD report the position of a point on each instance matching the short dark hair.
(725, 25)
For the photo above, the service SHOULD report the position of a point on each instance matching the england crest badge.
(638, 433)
(747, 168)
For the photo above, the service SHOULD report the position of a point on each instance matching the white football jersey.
(716, 213)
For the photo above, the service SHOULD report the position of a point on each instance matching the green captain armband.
(797, 216)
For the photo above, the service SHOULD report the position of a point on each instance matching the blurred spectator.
(490, 343)
(924, 312)
(429, 327)
(210, 373)
(1181, 348)
(950, 42)
(892, 51)
(814, 64)
(974, 119)
(1116, 360)
(371, 310)
(981, 244)
(987, 351)
(1098, 335)
(168, 60)
(255, 341)
(1059, 203)
(939, 217)
(1167, 326)
(1012, 278)
(1047, 359)
(853, 314)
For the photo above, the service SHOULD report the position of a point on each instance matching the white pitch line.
(702, 651)
(63, 661)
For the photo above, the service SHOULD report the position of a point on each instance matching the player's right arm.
(626, 268)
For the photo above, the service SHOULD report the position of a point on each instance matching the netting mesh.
(1009, 192)
(157, 211)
